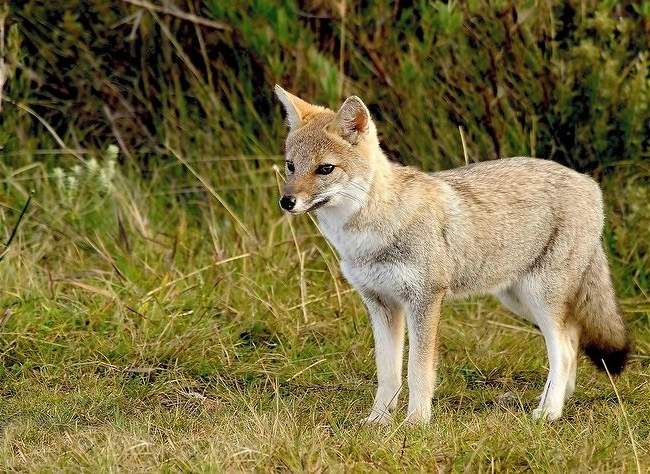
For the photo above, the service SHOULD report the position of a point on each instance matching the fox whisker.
(351, 197)
(358, 186)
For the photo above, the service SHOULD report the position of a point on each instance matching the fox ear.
(352, 120)
(296, 108)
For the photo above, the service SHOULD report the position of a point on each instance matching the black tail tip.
(614, 359)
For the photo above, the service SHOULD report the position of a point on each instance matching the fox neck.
(348, 223)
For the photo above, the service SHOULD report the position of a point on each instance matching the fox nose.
(288, 202)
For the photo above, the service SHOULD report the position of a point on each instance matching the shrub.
(566, 81)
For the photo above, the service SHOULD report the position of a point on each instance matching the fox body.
(525, 230)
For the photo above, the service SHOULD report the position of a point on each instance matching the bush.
(567, 81)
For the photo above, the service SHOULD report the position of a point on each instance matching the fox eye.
(290, 166)
(324, 169)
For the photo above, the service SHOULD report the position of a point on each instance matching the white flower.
(71, 188)
(59, 177)
(112, 151)
(93, 166)
(105, 180)
(110, 168)
(72, 183)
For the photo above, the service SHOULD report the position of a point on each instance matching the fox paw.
(543, 413)
(418, 417)
(376, 419)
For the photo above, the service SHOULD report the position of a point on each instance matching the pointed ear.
(295, 108)
(352, 120)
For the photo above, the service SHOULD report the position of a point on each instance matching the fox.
(526, 230)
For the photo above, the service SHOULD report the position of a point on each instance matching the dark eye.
(290, 166)
(324, 169)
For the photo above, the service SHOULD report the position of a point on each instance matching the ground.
(145, 327)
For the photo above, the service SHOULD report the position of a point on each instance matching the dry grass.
(144, 329)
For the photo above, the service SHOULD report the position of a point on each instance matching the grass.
(141, 328)
(161, 314)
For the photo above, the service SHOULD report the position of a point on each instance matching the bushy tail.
(604, 337)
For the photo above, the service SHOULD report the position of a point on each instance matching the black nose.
(288, 202)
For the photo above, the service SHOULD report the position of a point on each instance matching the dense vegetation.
(566, 81)
(152, 320)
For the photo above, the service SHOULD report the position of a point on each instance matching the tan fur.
(526, 230)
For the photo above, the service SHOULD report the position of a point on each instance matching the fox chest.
(371, 262)
(394, 280)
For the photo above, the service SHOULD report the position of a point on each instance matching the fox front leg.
(422, 320)
(388, 331)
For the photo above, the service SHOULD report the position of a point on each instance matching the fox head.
(329, 155)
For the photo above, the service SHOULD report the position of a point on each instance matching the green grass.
(142, 329)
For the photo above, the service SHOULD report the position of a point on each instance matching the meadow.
(159, 313)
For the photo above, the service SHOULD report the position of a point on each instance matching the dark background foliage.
(560, 80)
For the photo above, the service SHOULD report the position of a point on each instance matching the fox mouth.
(313, 207)
(318, 204)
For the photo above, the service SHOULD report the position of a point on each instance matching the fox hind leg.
(573, 335)
(510, 299)
(562, 338)
(562, 347)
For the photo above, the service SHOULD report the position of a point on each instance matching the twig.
(303, 283)
(210, 190)
(118, 136)
(462, 139)
(3, 67)
(321, 298)
(333, 275)
(204, 51)
(627, 423)
(5, 317)
(514, 328)
(306, 369)
(301, 257)
(15, 229)
(149, 295)
(49, 128)
(343, 7)
(180, 14)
